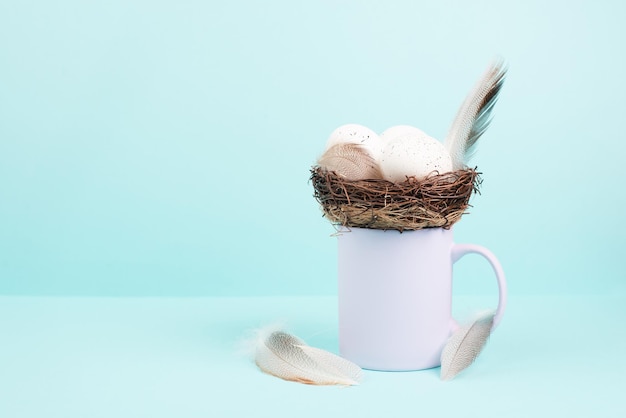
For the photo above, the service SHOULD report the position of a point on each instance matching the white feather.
(288, 357)
(474, 115)
(465, 345)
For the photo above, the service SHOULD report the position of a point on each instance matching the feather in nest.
(474, 115)
(351, 161)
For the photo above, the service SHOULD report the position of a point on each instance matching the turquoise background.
(163, 148)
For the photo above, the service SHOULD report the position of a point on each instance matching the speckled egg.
(414, 155)
(357, 134)
(401, 130)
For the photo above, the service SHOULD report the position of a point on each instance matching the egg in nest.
(412, 153)
(352, 151)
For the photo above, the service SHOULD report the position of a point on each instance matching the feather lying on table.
(474, 115)
(351, 161)
(465, 345)
(288, 357)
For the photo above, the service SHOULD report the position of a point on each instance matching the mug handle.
(459, 250)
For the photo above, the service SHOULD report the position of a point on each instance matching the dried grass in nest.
(437, 201)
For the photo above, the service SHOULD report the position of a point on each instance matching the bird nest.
(437, 201)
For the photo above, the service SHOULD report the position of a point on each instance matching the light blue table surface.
(182, 357)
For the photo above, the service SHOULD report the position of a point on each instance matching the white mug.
(395, 295)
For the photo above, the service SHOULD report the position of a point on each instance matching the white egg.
(356, 134)
(414, 155)
(401, 130)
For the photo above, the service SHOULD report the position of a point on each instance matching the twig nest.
(436, 201)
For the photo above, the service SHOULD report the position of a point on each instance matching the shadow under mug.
(395, 295)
